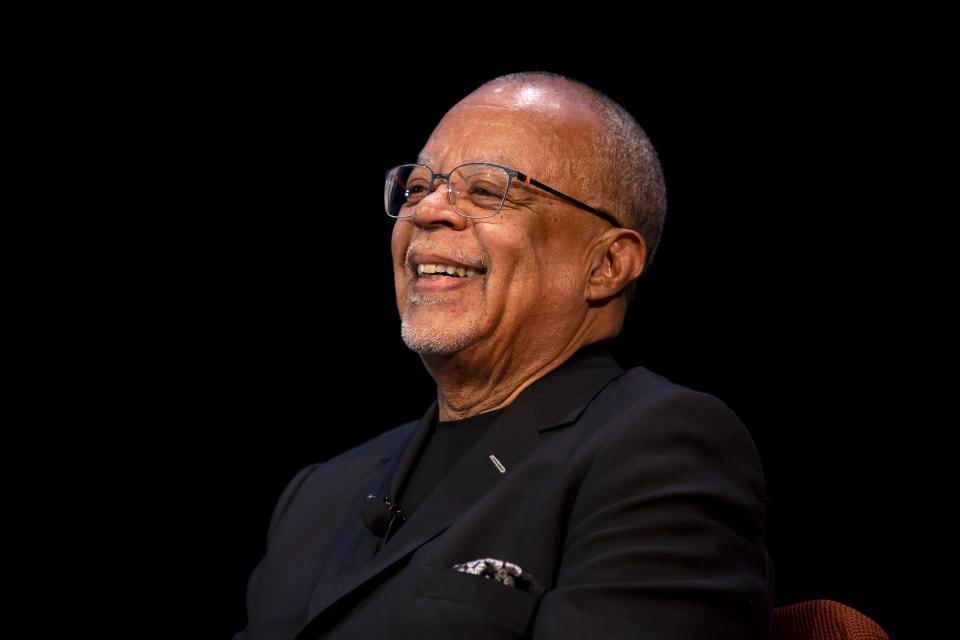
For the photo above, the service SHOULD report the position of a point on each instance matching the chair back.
(823, 620)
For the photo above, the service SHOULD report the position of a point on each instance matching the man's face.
(528, 290)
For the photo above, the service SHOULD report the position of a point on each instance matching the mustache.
(456, 255)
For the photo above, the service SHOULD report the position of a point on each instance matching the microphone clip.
(383, 516)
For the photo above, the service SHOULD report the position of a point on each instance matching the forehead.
(489, 133)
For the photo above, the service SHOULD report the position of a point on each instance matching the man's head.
(547, 274)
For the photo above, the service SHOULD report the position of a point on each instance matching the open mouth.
(435, 271)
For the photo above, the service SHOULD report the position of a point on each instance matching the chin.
(438, 340)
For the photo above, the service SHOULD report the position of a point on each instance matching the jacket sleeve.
(254, 584)
(665, 538)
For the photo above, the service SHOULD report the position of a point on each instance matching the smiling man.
(547, 493)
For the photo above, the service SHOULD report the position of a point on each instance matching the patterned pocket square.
(506, 573)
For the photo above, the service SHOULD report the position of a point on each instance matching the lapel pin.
(497, 464)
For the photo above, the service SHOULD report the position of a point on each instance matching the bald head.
(596, 143)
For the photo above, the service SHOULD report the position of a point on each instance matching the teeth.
(463, 272)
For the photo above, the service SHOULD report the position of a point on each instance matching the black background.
(265, 332)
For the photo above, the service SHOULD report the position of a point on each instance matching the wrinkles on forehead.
(492, 158)
(499, 135)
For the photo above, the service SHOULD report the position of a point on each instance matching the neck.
(470, 383)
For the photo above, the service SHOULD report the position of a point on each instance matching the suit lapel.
(354, 544)
(554, 401)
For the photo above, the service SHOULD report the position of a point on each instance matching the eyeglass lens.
(474, 190)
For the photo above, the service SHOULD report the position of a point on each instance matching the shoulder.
(363, 456)
(667, 511)
(649, 404)
(668, 431)
(321, 480)
(375, 448)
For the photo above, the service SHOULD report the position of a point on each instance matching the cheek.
(521, 250)
(526, 272)
(559, 273)
(540, 290)
(400, 240)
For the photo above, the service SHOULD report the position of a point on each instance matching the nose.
(436, 210)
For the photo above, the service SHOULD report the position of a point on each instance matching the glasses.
(474, 190)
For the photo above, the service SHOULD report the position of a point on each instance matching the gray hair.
(621, 157)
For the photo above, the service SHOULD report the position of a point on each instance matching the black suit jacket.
(637, 504)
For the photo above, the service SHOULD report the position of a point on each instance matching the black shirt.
(447, 443)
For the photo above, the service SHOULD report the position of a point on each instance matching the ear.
(619, 259)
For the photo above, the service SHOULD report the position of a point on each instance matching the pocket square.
(507, 573)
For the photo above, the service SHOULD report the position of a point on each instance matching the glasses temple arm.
(603, 214)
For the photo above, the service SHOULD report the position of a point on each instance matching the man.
(546, 493)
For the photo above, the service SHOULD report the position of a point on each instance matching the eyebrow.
(500, 160)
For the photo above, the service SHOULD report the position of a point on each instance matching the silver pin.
(498, 464)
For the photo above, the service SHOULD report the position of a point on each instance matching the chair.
(823, 620)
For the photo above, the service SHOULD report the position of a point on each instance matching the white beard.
(436, 338)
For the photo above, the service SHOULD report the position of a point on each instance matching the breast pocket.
(513, 605)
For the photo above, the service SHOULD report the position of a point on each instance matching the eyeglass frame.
(511, 175)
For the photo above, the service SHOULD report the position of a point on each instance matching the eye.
(415, 190)
(486, 190)
(481, 192)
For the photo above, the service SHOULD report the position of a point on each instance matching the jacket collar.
(552, 402)
(555, 400)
